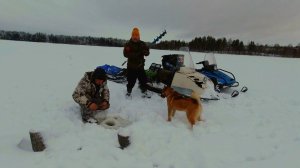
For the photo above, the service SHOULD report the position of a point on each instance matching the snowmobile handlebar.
(204, 63)
(201, 62)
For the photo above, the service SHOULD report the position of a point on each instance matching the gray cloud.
(264, 21)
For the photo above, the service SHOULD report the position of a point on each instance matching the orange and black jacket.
(135, 52)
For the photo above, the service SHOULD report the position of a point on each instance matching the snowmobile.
(119, 75)
(114, 73)
(221, 78)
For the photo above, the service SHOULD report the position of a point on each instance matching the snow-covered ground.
(260, 128)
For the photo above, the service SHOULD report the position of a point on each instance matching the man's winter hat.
(135, 32)
(99, 73)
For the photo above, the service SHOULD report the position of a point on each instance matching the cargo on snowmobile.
(186, 79)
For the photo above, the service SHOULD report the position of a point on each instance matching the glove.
(104, 105)
(146, 52)
(93, 107)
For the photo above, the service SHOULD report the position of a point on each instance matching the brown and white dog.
(191, 105)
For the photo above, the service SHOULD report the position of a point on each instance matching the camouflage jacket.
(135, 52)
(86, 91)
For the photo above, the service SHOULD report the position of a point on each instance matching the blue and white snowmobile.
(221, 78)
(114, 73)
(119, 75)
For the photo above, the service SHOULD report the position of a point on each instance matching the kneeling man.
(92, 94)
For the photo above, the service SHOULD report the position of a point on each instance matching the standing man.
(134, 51)
(92, 94)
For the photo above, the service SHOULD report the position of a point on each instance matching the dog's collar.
(180, 96)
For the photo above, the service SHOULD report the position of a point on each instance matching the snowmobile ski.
(244, 89)
(235, 93)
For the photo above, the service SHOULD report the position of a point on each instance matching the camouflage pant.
(98, 115)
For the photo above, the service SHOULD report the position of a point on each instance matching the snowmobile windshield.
(210, 58)
(188, 60)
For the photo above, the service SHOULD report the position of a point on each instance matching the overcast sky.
(263, 21)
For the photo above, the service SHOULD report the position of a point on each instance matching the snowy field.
(257, 129)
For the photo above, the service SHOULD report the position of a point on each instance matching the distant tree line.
(223, 45)
(199, 44)
(78, 40)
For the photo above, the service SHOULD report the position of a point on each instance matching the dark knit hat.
(99, 73)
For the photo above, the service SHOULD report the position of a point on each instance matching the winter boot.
(128, 95)
(87, 116)
(91, 120)
(145, 94)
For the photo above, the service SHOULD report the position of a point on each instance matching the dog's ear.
(162, 93)
(169, 90)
